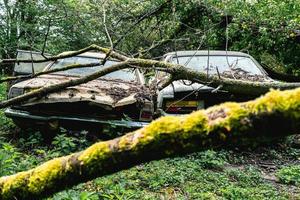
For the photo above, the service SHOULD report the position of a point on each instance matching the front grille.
(82, 109)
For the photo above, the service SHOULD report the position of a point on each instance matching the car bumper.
(20, 114)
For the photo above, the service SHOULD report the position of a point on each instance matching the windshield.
(228, 66)
(124, 74)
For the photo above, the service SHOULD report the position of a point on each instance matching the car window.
(125, 74)
(221, 64)
(26, 68)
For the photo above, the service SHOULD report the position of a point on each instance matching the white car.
(182, 96)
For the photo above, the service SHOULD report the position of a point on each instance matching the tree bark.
(227, 124)
(281, 76)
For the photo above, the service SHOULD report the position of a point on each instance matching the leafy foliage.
(5, 123)
(266, 26)
(289, 174)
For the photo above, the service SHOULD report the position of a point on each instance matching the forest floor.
(264, 172)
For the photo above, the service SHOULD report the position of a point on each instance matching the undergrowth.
(290, 174)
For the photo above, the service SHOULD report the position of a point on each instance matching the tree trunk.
(276, 114)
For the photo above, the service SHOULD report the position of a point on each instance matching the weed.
(248, 176)
(211, 159)
(289, 174)
(8, 159)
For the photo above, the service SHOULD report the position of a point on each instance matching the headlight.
(14, 92)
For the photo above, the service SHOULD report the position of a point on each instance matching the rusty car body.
(183, 96)
(120, 98)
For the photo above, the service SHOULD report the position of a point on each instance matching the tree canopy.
(267, 28)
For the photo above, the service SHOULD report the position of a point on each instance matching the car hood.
(182, 86)
(102, 92)
(188, 86)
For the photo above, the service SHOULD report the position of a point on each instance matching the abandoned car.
(182, 96)
(120, 99)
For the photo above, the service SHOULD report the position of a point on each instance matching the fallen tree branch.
(66, 55)
(38, 93)
(74, 66)
(226, 124)
(281, 76)
(231, 85)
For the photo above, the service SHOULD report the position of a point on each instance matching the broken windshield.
(124, 74)
(220, 64)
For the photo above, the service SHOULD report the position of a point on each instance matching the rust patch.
(118, 93)
(72, 92)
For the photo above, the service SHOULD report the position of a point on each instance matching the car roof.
(206, 52)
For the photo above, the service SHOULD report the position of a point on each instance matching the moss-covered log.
(274, 115)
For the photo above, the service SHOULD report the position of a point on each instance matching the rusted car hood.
(106, 93)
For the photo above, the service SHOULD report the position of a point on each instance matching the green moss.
(12, 184)
(126, 142)
(95, 153)
(282, 101)
(45, 175)
(231, 119)
(195, 123)
(170, 127)
(164, 127)
(34, 181)
(228, 118)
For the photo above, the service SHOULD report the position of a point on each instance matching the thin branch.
(67, 55)
(106, 30)
(142, 18)
(46, 38)
(68, 67)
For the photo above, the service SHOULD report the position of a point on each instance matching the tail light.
(146, 116)
(146, 113)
